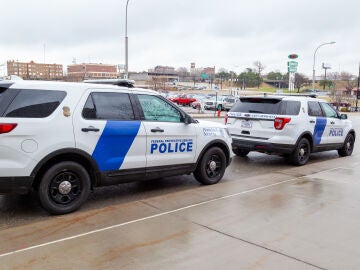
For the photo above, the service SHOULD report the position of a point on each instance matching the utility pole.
(357, 92)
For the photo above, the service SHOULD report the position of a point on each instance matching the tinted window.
(34, 103)
(267, 106)
(110, 106)
(329, 111)
(257, 105)
(314, 109)
(156, 109)
(290, 107)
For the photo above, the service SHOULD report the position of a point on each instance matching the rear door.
(318, 123)
(106, 127)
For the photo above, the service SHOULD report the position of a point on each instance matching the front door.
(169, 140)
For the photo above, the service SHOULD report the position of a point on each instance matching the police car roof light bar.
(118, 82)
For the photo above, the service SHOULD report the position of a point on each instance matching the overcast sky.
(229, 34)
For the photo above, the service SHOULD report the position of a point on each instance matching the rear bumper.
(262, 146)
(15, 185)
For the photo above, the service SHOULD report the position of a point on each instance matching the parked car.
(219, 103)
(182, 99)
(64, 139)
(292, 126)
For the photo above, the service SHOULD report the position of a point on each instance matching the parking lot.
(264, 214)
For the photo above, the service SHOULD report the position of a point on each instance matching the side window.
(290, 107)
(329, 111)
(34, 103)
(314, 109)
(109, 106)
(156, 109)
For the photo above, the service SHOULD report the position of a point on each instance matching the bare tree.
(182, 73)
(259, 67)
(300, 81)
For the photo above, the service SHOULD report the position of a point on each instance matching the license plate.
(246, 124)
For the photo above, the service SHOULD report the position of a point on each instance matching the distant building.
(80, 72)
(163, 73)
(35, 71)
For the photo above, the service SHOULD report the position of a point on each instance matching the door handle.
(157, 130)
(90, 129)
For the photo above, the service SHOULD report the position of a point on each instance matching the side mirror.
(343, 116)
(187, 119)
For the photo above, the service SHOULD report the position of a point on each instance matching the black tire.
(348, 147)
(301, 154)
(64, 187)
(241, 152)
(211, 167)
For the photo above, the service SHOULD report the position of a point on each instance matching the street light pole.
(313, 77)
(126, 44)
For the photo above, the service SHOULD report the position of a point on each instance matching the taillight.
(226, 118)
(280, 122)
(7, 127)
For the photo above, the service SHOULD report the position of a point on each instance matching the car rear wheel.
(211, 167)
(241, 152)
(348, 146)
(64, 187)
(301, 154)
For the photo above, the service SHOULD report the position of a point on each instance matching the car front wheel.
(64, 187)
(348, 146)
(211, 167)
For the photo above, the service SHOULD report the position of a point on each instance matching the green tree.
(249, 78)
(274, 75)
(326, 83)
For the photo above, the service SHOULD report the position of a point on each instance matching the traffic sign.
(293, 56)
(292, 64)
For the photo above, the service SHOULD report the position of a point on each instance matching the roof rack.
(118, 82)
(293, 95)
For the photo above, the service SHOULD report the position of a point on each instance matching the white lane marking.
(142, 219)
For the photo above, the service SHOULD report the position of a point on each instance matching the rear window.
(33, 103)
(267, 106)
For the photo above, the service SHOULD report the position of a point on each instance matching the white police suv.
(64, 139)
(293, 126)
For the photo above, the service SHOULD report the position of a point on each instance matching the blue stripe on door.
(114, 143)
(319, 129)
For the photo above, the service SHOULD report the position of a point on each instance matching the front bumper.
(264, 147)
(15, 185)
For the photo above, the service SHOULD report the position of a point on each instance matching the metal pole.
(126, 44)
(357, 92)
(313, 77)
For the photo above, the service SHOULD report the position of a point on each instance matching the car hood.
(205, 123)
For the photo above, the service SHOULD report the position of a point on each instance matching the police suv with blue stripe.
(293, 126)
(63, 139)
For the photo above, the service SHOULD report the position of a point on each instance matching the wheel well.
(75, 157)
(222, 146)
(352, 132)
(308, 137)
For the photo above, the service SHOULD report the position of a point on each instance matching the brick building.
(35, 71)
(79, 72)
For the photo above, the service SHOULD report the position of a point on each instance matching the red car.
(182, 99)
